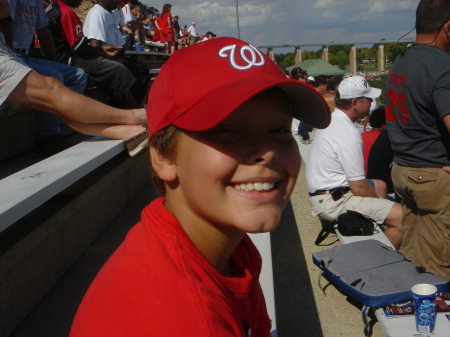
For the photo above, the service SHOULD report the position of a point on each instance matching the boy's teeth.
(255, 186)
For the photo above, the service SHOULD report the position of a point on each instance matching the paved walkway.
(301, 307)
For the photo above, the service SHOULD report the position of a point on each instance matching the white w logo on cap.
(256, 59)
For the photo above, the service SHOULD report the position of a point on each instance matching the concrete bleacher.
(51, 210)
(50, 213)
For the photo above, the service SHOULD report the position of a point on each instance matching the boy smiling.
(226, 162)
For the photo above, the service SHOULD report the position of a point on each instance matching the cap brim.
(307, 104)
(373, 93)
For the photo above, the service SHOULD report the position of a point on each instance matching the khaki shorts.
(12, 71)
(326, 208)
(425, 204)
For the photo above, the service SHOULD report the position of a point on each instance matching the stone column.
(380, 58)
(271, 54)
(353, 61)
(325, 54)
(298, 55)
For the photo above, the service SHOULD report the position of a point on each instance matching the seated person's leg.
(394, 225)
(141, 71)
(72, 77)
(112, 78)
(383, 211)
(12, 72)
(38, 67)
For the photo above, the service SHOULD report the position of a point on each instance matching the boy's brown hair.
(165, 143)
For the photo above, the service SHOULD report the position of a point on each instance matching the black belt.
(17, 50)
(338, 190)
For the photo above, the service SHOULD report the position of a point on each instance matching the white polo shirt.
(101, 25)
(336, 155)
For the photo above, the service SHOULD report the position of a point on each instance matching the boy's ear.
(162, 166)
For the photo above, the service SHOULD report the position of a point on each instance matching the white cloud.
(330, 15)
(269, 22)
(361, 17)
(382, 6)
(330, 3)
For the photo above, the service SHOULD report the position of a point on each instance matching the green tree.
(308, 55)
(289, 60)
(392, 50)
(366, 53)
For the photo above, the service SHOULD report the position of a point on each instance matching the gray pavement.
(301, 307)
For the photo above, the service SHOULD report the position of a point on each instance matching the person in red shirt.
(377, 121)
(225, 160)
(166, 29)
(113, 78)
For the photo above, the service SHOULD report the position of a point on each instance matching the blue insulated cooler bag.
(373, 273)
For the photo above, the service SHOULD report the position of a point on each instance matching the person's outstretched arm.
(77, 111)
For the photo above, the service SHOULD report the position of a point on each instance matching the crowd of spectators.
(84, 44)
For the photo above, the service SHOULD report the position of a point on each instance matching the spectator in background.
(294, 74)
(378, 153)
(20, 84)
(377, 122)
(335, 169)
(156, 35)
(320, 83)
(102, 31)
(418, 123)
(166, 29)
(176, 27)
(113, 78)
(82, 10)
(380, 162)
(192, 34)
(127, 33)
(130, 20)
(149, 27)
(184, 36)
(28, 16)
(209, 36)
(330, 94)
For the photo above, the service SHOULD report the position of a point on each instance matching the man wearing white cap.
(335, 171)
(192, 33)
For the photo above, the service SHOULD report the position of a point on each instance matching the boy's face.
(239, 175)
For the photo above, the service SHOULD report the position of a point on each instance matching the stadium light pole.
(237, 20)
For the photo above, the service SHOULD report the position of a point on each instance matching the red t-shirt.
(157, 283)
(164, 24)
(368, 137)
(66, 29)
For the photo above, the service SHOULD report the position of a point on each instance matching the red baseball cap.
(201, 85)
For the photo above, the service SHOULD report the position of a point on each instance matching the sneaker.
(51, 145)
(147, 49)
(137, 143)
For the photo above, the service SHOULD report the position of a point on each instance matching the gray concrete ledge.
(33, 265)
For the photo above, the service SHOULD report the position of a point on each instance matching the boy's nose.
(265, 153)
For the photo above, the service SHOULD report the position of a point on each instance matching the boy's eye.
(226, 133)
(281, 130)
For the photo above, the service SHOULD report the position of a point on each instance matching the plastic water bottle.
(137, 46)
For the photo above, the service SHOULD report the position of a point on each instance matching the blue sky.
(264, 22)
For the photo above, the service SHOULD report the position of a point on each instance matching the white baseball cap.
(311, 78)
(357, 86)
